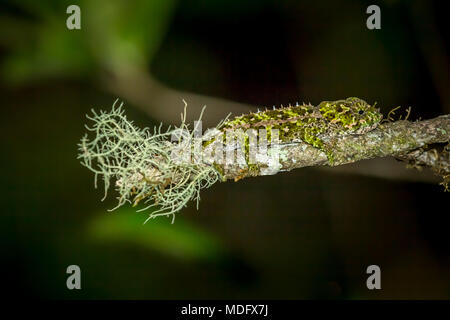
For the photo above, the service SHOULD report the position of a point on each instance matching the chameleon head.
(352, 115)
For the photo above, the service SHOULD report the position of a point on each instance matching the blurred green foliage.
(182, 239)
(114, 35)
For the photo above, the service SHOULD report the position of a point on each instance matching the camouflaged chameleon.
(312, 124)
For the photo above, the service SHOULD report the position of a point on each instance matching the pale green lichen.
(142, 165)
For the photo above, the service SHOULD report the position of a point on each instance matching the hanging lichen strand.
(141, 163)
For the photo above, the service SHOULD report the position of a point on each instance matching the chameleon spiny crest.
(312, 124)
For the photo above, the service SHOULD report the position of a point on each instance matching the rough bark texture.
(398, 139)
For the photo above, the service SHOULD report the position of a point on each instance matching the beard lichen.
(143, 164)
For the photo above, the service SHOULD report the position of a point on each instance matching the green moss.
(207, 143)
(219, 169)
(253, 169)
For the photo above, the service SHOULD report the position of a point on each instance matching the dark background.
(310, 233)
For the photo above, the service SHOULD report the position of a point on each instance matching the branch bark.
(396, 139)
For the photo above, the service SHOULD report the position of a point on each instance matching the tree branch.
(395, 139)
(147, 166)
